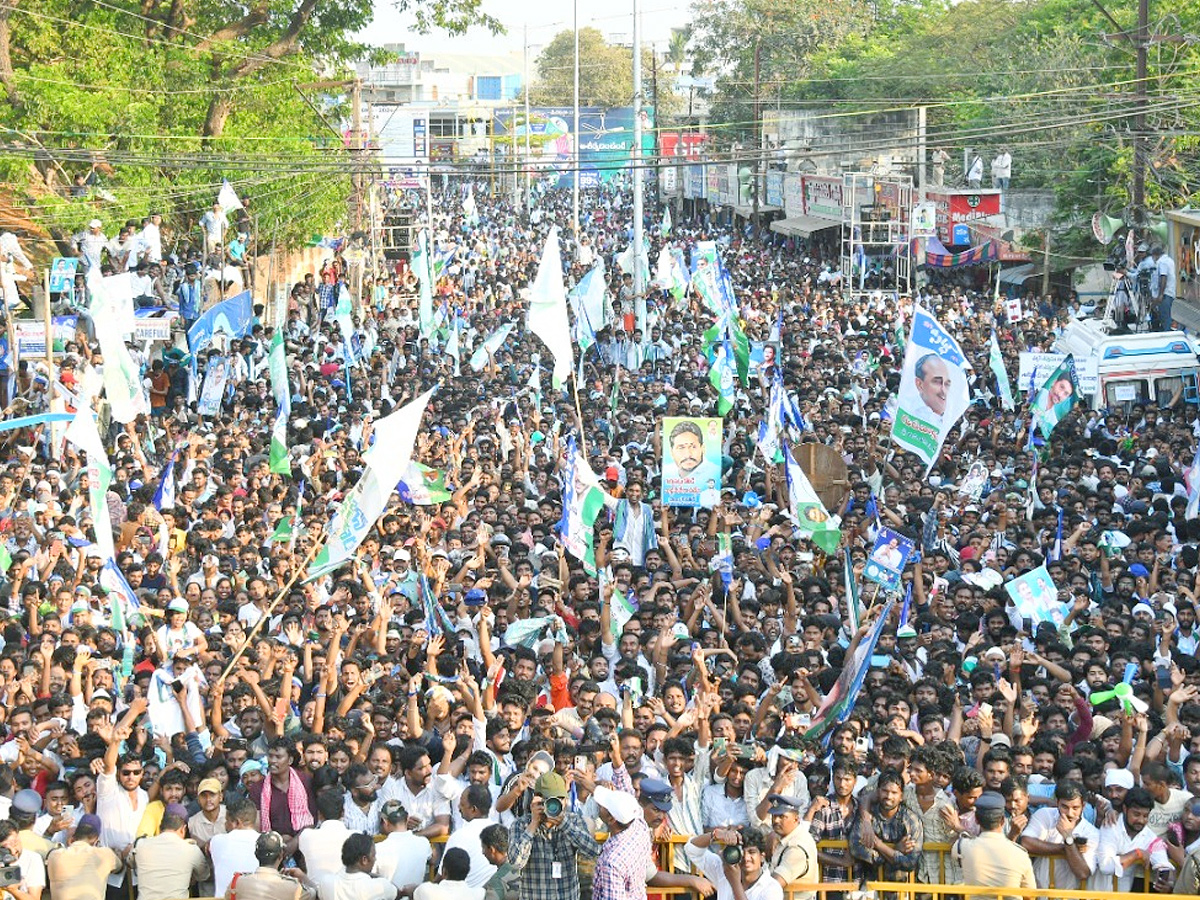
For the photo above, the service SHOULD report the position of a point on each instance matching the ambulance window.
(1125, 392)
(1165, 388)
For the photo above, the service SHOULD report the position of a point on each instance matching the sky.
(543, 19)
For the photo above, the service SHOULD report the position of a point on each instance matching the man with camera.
(545, 844)
(739, 871)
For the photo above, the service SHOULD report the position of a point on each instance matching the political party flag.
(437, 620)
(1056, 397)
(470, 208)
(934, 392)
(424, 270)
(853, 605)
(490, 345)
(808, 511)
(723, 376)
(583, 501)
(164, 497)
(727, 328)
(839, 702)
(723, 561)
(284, 529)
(423, 486)
(666, 221)
(277, 366)
(387, 460)
(773, 422)
(548, 310)
(84, 433)
(122, 377)
(123, 603)
(5, 558)
(1192, 478)
(706, 275)
(277, 458)
(996, 363)
(228, 197)
(587, 303)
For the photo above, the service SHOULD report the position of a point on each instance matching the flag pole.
(270, 609)
(579, 412)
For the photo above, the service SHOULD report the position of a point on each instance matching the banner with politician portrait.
(934, 392)
(887, 559)
(1035, 596)
(1056, 397)
(691, 464)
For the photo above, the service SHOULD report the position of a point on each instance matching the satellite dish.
(826, 471)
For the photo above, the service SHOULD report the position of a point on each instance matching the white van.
(1149, 368)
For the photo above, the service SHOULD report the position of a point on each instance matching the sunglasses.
(131, 772)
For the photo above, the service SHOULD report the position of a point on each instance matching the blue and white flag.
(123, 603)
(234, 317)
(164, 497)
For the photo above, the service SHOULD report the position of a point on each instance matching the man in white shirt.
(474, 804)
(357, 881)
(233, 852)
(415, 791)
(1059, 836)
(402, 857)
(1128, 845)
(457, 868)
(751, 874)
(321, 847)
(120, 800)
(1164, 287)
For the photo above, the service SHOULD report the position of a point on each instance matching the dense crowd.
(242, 730)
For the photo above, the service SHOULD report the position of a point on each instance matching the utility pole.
(654, 135)
(757, 131)
(639, 287)
(528, 180)
(1139, 122)
(575, 140)
(356, 148)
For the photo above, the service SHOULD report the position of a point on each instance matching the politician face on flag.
(933, 383)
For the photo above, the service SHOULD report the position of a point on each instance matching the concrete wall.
(837, 144)
(1028, 207)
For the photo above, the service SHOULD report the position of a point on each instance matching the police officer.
(267, 882)
(992, 859)
(794, 855)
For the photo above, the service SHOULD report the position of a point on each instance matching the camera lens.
(554, 807)
(732, 854)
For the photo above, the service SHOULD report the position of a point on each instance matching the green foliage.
(168, 97)
(605, 74)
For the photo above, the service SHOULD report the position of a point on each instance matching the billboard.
(605, 140)
(823, 197)
(959, 207)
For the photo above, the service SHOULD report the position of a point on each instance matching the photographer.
(545, 844)
(739, 871)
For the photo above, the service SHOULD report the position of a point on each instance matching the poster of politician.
(933, 391)
(691, 465)
(1036, 597)
(888, 558)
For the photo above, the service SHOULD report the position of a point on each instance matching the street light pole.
(575, 139)
(639, 287)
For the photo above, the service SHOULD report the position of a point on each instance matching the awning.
(1018, 274)
(803, 226)
(748, 210)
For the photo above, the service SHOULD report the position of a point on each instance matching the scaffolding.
(876, 229)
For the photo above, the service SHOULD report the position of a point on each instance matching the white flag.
(122, 379)
(228, 198)
(85, 434)
(548, 309)
(490, 345)
(387, 461)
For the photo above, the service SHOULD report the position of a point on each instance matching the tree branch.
(255, 18)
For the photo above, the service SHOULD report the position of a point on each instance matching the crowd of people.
(244, 731)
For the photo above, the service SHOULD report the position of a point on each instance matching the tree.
(605, 71)
(162, 99)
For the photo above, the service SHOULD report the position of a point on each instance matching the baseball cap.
(551, 785)
(177, 605)
(209, 786)
(621, 806)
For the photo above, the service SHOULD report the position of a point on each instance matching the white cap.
(1121, 778)
(621, 806)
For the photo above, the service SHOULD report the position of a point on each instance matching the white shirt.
(468, 838)
(711, 867)
(355, 886)
(1042, 827)
(403, 857)
(448, 890)
(119, 816)
(1116, 842)
(1166, 270)
(232, 854)
(426, 805)
(322, 848)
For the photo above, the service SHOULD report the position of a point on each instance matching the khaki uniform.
(167, 866)
(80, 871)
(795, 858)
(992, 860)
(267, 883)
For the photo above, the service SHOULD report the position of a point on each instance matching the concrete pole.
(639, 286)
